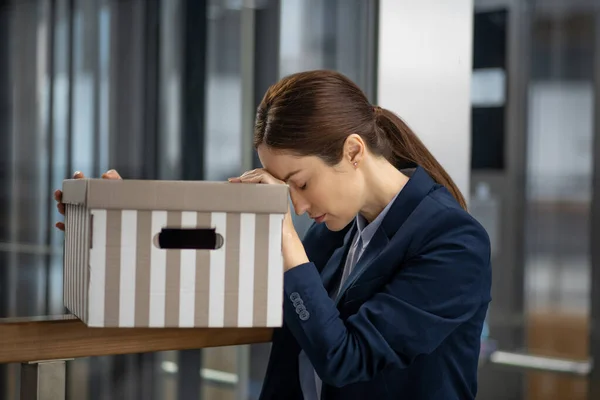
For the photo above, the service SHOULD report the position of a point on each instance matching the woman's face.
(333, 195)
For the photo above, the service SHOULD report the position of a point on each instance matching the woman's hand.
(111, 174)
(292, 248)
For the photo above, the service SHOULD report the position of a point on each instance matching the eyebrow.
(288, 176)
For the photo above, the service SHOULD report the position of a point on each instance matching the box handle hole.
(188, 238)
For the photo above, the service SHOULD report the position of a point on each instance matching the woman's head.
(317, 131)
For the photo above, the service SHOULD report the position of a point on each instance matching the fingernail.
(77, 173)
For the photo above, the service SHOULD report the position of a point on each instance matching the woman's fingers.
(58, 199)
(255, 176)
(251, 179)
(245, 177)
(111, 174)
(249, 174)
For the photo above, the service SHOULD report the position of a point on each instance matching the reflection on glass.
(559, 178)
(170, 79)
(85, 100)
(224, 92)
(330, 34)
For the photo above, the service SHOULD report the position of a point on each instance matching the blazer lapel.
(374, 248)
(339, 255)
(417, 188)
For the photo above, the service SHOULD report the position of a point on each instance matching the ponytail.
(405, 149)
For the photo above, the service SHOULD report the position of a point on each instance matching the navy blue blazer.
(408, 321)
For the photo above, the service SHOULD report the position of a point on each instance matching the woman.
(386, 296)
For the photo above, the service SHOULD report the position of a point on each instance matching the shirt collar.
(367, 230)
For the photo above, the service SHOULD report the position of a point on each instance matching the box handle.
(188, 238)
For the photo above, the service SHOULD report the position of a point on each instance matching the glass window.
(157, 90)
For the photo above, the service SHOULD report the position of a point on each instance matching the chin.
(336, 225)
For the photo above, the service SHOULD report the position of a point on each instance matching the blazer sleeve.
(433, 293)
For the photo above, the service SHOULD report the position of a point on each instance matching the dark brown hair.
(312, 113)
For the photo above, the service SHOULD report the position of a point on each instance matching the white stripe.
(246, 288)
(187, 284)
(71, 263)
(158, 272)
(275, 280)
(97, 269)
(73, 259)
(128, 260)
(67, 273)
(67, 277)
(216, 301)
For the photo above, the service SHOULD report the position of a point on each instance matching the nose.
(300, 204)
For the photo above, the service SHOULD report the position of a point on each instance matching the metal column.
(594, 377)
(247, 54)
(502, 210)
(43, 380)
(5, 145)
(266, 56)
(194, 54)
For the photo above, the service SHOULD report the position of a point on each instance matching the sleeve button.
(304, 315)
(300, 309)
(298, 302)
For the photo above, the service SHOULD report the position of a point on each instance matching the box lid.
(201, 196)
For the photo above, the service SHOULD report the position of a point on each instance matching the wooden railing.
(41, 344)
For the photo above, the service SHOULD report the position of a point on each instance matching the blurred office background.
(167, 89)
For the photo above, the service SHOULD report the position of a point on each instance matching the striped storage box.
(173, 253)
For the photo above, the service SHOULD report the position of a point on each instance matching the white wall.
(425, 53)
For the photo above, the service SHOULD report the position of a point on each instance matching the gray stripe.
(142, 269)
(83, 265)
(86, 261)
(261, 270)
(172, 284)
(113, 268)
(80, 266)
(232, 270)
(199, 196)
(202, 277)
(72, 235)
(77, 245)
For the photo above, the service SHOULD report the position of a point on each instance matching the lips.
(320, 218)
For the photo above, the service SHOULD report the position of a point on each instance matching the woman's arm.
(434, 293)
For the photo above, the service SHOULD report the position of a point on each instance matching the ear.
(354, 149)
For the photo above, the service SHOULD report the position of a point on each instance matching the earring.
(355, 164)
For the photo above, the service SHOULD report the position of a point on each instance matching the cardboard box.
(141, 253)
